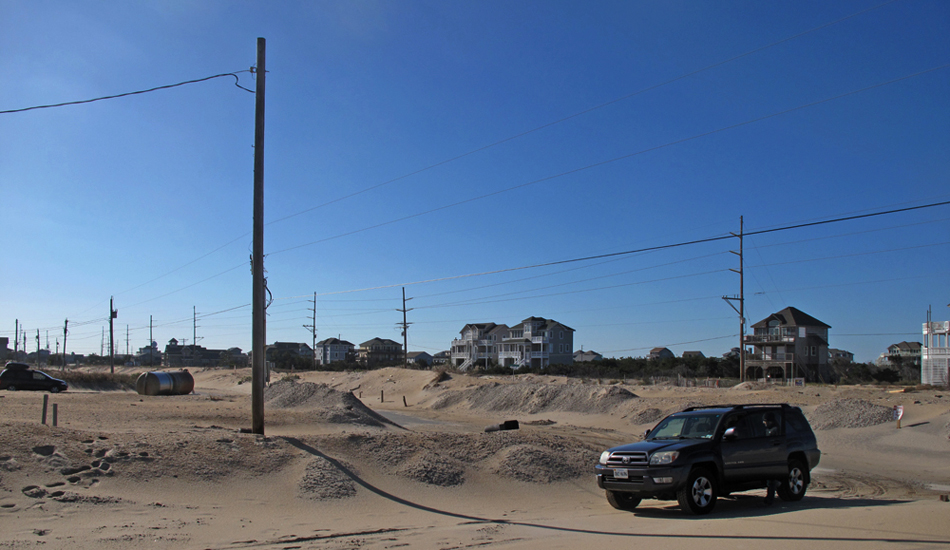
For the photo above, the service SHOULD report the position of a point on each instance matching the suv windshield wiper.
(671, 437)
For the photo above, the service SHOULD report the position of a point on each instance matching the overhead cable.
(237, 80)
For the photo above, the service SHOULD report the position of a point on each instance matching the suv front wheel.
(793, 488)
(699, 494)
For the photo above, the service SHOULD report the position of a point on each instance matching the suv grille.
(620, 459)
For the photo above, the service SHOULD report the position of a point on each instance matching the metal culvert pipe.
(165, 383)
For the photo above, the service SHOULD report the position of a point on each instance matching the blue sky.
(452, 142)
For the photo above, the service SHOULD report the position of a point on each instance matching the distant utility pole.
(151, 346)
(37, 346)
(113, 314)
(259, 334)
(313, 330)
(126, 342)
(194, 334)
(741, 299)
(405, 327)
(16, 340)
(65, 332)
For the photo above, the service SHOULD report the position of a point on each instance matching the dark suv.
(18, 376)
(702, 453)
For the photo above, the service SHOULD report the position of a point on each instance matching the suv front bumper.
(646, 482)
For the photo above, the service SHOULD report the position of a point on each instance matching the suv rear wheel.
(622, 501)
(793, 487)
(699, 494)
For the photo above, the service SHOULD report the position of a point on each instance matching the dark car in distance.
(19, 376)
(702, 453)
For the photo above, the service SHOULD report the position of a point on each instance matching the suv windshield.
(700, 426)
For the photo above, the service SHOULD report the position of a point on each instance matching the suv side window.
(743, 430)
(796, 423)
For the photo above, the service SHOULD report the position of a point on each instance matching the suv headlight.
(604, 456)
(664, 457)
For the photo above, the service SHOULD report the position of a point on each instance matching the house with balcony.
(900, 355)
(535, 342)
(334, 350)
(661, 353)
(476, 345)
(788, 344)
(379, 350)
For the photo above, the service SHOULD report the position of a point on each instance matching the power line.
(650, 248)
(237, 81)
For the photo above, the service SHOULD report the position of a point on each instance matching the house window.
(814, 351)
(561, 335)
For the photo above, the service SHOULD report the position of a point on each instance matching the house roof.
(334, 342)
(368, 343)
(791, 317)
(545, 323)
(907, 346)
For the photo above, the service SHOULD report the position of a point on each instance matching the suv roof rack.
(734, 407)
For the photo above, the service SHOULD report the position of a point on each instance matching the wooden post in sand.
(381, 396)
(55, 414)
(45, 404)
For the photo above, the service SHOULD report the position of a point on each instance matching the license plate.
(621, 473)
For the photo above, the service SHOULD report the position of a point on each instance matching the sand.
(400, 459)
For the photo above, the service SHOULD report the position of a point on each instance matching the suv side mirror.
(647, 433)
(730, 434)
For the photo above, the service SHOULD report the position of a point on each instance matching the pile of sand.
(323, 402)
(530, 398)
(849, 413)
(445, 460)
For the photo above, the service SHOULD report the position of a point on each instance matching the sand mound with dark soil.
(849, 413)
(530, 398)
(325, 403)
(322, 481)
(446, 459)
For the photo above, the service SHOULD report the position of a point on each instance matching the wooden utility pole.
(65, 332)
(313, 331)
(151, 347)
(259, 335)
(16, 340)
(741, 300)
(112, 315)
(405, 327)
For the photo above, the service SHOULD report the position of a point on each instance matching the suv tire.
(622, 501)
(699, 494)
(793, 487)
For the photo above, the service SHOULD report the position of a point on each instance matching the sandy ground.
(398, 458)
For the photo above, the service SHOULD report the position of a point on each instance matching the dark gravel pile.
(849, 413)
